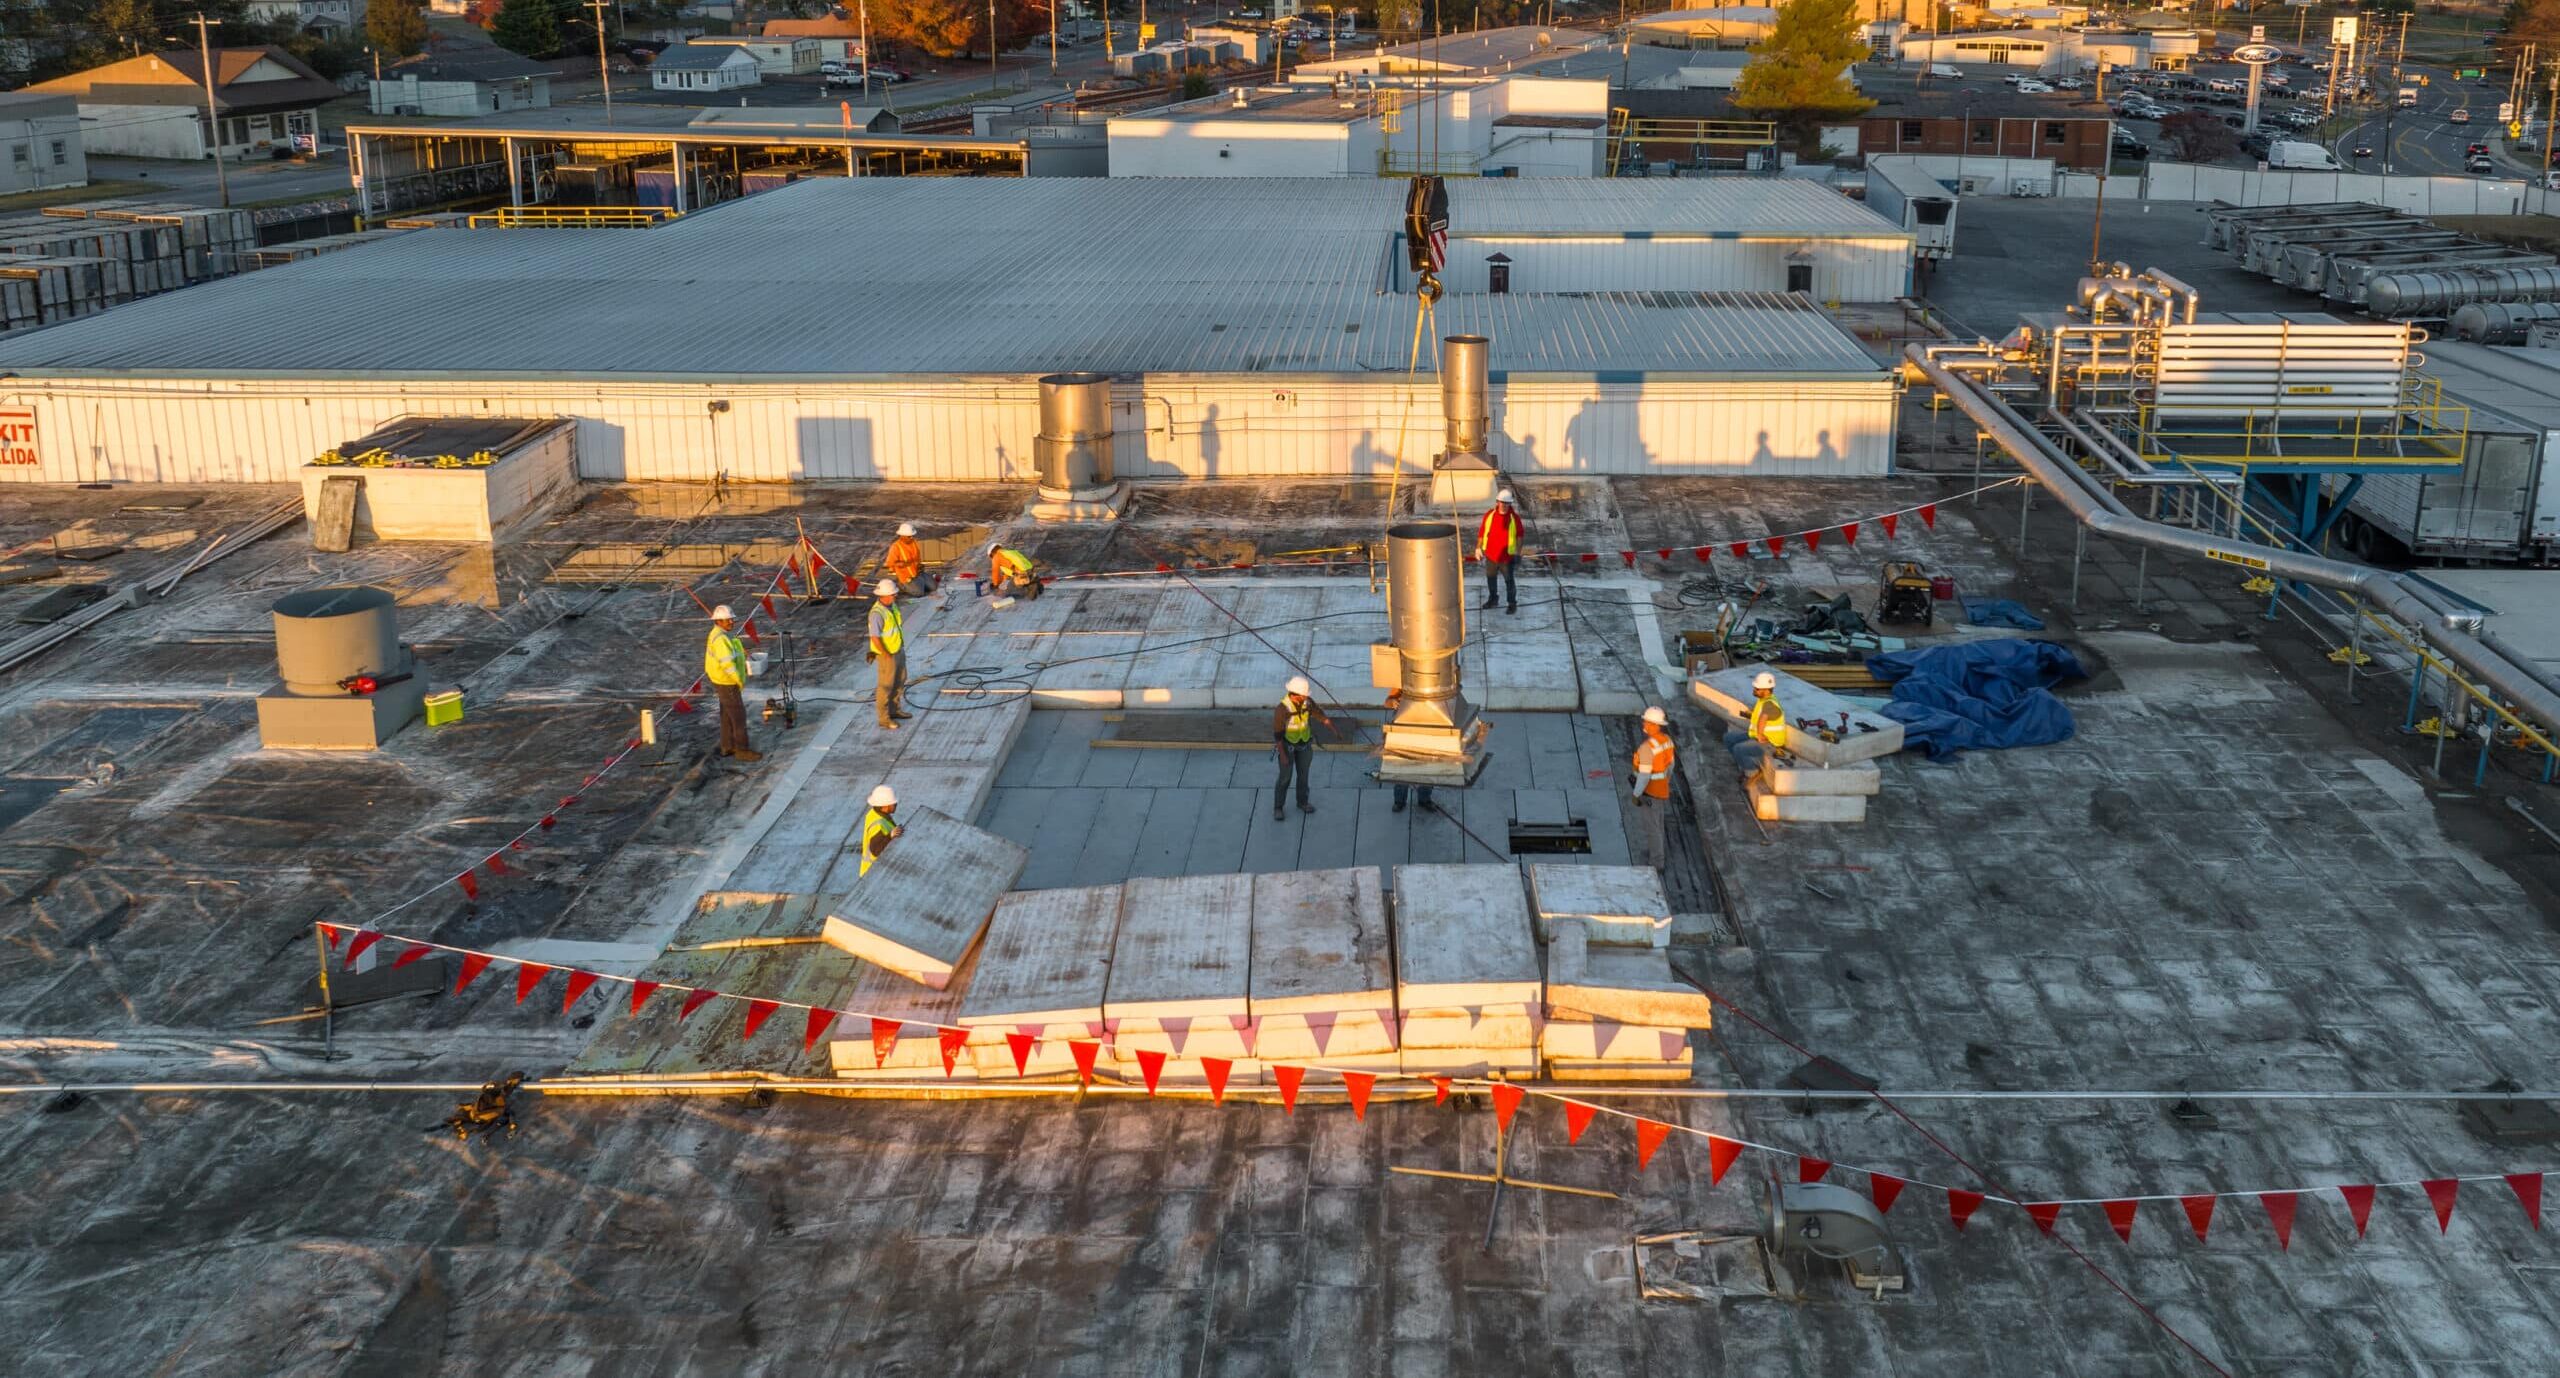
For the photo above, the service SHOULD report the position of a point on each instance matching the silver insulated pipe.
(1073, 452)
(1463, 401)
(1434, 735)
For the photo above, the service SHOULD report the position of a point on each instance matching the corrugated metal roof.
(906, 277)
(2522, 384)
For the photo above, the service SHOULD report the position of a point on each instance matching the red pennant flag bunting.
(365, 937)
(1812, 541)
(1812, 1169)
(570, 800)
(750, 630)
(2280, 1207)
(1629, 556)
(815, 1028)
(473, 963)
(1084, 1052)
(550, 821)
(1216, 1069)
(1929, 515)
(2120, 1216)
(1720, 1155)
(791, 563)
(529, 975)
(1577, 1118)
(1961, 1205)
(1591, 557)
(2440, 1194)
(1020, 1043)
(1889, 521)
(2528, 1190)
(1506, 1099)
(414, 952)
(329, 934)
(497, 864)
(695, 999)
(2359, 1204)
(1884, 1191)
(1288, 1077)
(2044, 1213)
(2199, 1213)
(640, 993)
(1440, 1090)
(1663, 554)
(767, 600)
(684, 705)
(579, 983)
(1742, 550)
(1356, 1086)
(884, 1040)
(1777, 545)
(1849, 532)
(1704, 554)
(1649, 1137)
(469, 883)
(758, 1011)
(1150, 1066)
(952, 1041)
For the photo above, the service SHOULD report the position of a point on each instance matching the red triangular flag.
(2120, 1215)
(549, 821)
(1663, 554)
(1961, 1204)
(416, 951)
(758, 1011)
(1720, 1155)
(1020, 1043)
(816, 1028)
(569, 801)
(1150, 1066)
(1811, 1169)
(695, 999)
(579, 983)
(1216, 1069)
(1440, 1090)
(1777, 545)
(2044, 1213)
(1288, 1077)
(1889, 521)
(473, 963)
(365, 937)
(2359, 1204)
(470, 884)
(1849, 532)
(952, 1041)
(2528, 1189)
(1884, 1190)
(2440, 1194)
(640, 993)
(1649, 1137)
(2199, 1212)
(791, 563)
(1704, 554)
(1629, 556)
(329, 935)
(1577, 1118)
(1356, 1086)
(684, 705)
(884, 1040)
(529, 975)
(497, 864)
(767, 600)
(1812, 541)
(1929, 515)
(750, 630)
(1591, 557)
(2280, 1206)
(1506, 1099)
(1742, 550)
(1084, 1054)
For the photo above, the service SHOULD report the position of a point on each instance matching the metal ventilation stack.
(1079, 479)
(1435, 737)
(1464, 473)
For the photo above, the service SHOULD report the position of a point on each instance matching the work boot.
(890, 726)
(1513, 609)
(1278, 815)
(749, 755)
(1305, 807)
(902, 717)
(1490, 600)
(1399, 807)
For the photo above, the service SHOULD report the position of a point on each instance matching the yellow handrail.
(572, 217)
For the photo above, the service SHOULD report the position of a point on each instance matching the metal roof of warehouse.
(892, 277)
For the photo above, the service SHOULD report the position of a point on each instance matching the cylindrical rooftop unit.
(2501, 322)
(325, 637)
(1464, 401)
(2424, 293)
(1426, 607)
(1074, 447)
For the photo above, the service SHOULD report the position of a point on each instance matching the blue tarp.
(1980, 694)
(2001, 612)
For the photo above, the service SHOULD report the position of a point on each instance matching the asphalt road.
(2426, 141)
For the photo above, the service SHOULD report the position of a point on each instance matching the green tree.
(2200, 138)
(1799, 76)
(2532, 21)
(395, 27)
(527, 27)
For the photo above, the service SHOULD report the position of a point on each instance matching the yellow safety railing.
(1625, 129)
(2422, 431)
(572, 217)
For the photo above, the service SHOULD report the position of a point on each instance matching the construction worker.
(1498, 540)
(1651, 782)
(889, 652)
(1768, 725)
(1009, 574)
(724, 663)
(879, 826)
(1293, 737)
(905, 563)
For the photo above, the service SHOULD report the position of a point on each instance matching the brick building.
(1997, 123)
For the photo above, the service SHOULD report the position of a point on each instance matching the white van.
(2300, 154)
(1942, 70)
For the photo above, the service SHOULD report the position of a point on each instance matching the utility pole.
(865, 9)
(1053, 38)
(212, 117)
(2547, 109)
(993, 77)
(602, 71)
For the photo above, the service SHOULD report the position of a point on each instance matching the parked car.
(2069, 84)
(2034, 88)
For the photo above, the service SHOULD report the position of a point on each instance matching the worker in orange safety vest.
(1651, 781)
(1498, 540)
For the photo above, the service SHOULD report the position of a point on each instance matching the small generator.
(1904, 595)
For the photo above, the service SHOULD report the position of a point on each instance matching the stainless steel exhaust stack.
(1464, 402)
(1073, 450)
(1435, 737)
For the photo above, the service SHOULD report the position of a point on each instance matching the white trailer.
(1900, 192)
(2503, 506)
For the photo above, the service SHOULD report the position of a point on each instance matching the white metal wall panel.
(1843, 269)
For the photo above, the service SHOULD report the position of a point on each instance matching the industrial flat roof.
(980, 276)
(2520, 384)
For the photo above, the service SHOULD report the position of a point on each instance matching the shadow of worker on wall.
(1597, 443)
(1825, 455)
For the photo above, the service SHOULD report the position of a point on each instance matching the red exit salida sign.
(17, 435)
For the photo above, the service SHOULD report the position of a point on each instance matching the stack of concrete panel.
(927, 899)
(1467, 979)
(1615, 1011)
(914, 1051)
(1043, 971)
(1180, 978)
(1324, 989)
(1623, 905)
(1822, 781)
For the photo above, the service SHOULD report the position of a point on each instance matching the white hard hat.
(1657, 717)
(906, 528)
(1764, 680)
(1298, 685)
(886, 588)
(883, 797)
(1503, 496)
(722, 614)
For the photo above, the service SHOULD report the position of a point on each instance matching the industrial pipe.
(2521, 683)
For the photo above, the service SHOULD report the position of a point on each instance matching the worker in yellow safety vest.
(1768, 725)
(724, 663)
(1009, 574)
(1293, 736)
(879, 826)
(1651, 782)
(888, 652)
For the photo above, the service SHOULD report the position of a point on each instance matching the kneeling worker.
(879, 826)
(1009, 574)
(724, 663)
(905, 563)
(889, 652)
(1293, 736)
(1651, 781)
(1768, 725)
